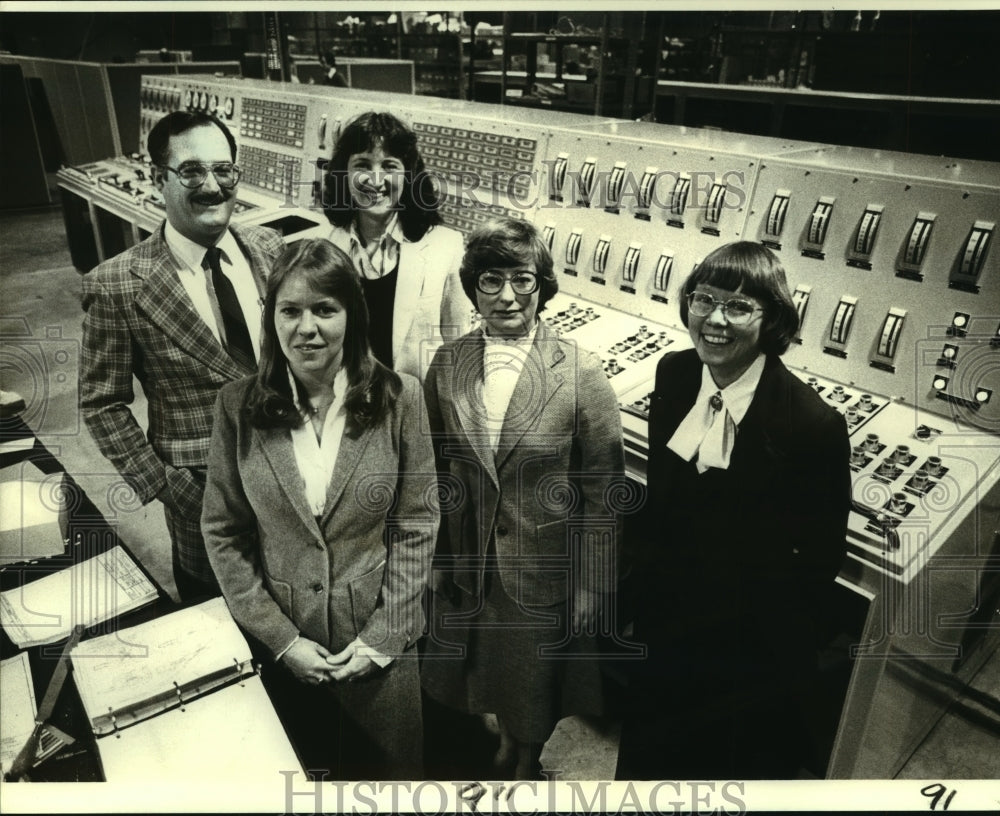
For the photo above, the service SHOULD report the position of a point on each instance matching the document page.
(87, 593)
(18, 708)
(163, 663)
(231, 735)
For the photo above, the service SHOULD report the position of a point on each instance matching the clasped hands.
(313, 664)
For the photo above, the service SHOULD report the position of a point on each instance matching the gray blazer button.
(501, 530)
(317, 587)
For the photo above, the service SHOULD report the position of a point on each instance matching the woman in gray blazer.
(319, 519)
(529, 446)
(384, 211)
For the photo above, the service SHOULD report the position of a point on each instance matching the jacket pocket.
(365, 591)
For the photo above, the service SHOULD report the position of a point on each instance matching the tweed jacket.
(543, 498)
(140, 321)
(358, 570)
(430, 305)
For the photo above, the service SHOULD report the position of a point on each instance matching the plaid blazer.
(140, 321)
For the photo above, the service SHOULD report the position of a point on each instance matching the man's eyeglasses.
(736, 310)
(193, 174)
(491, 283)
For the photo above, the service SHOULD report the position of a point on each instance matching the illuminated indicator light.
(960, 320)
(940, 383)
(983, 395)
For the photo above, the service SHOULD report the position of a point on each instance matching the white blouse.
(317, 458)
(709, 429)
(503, 360)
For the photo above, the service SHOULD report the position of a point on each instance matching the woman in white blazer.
(384, 212)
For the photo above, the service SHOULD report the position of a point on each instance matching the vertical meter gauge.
(230, 107)
(188, 99)
(214, 103)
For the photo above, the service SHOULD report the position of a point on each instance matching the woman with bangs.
(745, 530)
(320, 518)
(384, 209)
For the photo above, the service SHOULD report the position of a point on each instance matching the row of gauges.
(912, 254)
(615, 192)
(210, 103)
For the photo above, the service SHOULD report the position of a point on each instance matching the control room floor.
(40, 301)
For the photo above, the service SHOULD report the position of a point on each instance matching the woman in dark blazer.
(320, 516)
(745, 531)
(529, 446)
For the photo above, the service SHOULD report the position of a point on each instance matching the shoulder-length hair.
(753, 270)
(418, 202)
(372, 387)
(504, 243)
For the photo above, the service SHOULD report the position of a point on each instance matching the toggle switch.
(774, 223)
(921, 480)
(630, 267)
(840, 326)
(800, 297)
(839, 395)
(816, 228)
(713, 210)
(573, 250)
(557, 176)
(914, 250)
(888, 340)
(644, 198)
(872, 443)
(549, 235)
(865, 402)
(600, 261)
(661, 276)
(614, 188)
(902, 454)
(678, 200)
(864, 238)
(586, 181)
(858, 456)
(970, 262)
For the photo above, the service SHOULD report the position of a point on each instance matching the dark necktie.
(236, 336)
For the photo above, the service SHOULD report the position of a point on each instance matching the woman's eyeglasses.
(736, 310)
(193, 174)
(491, 283)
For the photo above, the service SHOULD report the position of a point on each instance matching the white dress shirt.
(708, 433)
(189, 256)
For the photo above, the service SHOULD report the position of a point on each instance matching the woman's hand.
(308, 661)
(351, 663)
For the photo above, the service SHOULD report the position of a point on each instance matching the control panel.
(890, 259)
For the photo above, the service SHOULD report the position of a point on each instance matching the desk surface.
(89, 534)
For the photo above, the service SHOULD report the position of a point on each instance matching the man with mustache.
(180, 312)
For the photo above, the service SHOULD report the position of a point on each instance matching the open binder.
(180, 695)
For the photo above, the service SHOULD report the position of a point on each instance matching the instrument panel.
(889, 256)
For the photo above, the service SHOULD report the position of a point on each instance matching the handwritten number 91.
(935, 792)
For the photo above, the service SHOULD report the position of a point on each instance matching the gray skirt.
(489, 654)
